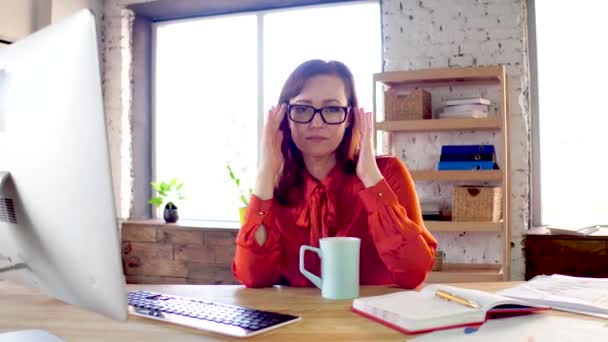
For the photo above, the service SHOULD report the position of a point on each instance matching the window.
(215, 78)
(571, 128)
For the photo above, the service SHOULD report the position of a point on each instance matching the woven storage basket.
(439, 256)
(473, 203)
(413, 106)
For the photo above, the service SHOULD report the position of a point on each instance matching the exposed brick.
(155, 280)
(135, 265)
(209, 274)
(177, 235)
(220, 238)
(147, 250)
(192, 252)
(224, 254)
(428, 34)
(138, 233)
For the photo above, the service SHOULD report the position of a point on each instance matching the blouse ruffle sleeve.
(404, 245)
(255, 265)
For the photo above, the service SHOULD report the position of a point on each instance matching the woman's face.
(318, 138)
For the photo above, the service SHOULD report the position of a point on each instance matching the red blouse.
(395, 245)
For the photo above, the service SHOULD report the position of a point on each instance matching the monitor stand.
(3, 178)
(29, 335)
(4, 212)
(7, 207)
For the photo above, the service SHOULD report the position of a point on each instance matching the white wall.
(435, 34)
(63, 8)
(19, 18)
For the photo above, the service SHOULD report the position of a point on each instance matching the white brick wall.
(117, 83)
(434, 34)
(416, 34)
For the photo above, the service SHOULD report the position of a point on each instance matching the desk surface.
(323, 319)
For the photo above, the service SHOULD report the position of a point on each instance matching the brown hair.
(292, 173)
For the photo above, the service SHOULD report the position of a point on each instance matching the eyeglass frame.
(317, 110)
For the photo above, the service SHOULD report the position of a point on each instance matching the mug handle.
(313, 278)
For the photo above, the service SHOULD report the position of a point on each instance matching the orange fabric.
(396, 248)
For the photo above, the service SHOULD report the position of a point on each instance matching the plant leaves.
(157, 201)
(244, 200)
(230, 172)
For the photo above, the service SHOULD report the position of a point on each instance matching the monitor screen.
(58, 226)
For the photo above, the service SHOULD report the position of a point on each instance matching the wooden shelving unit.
(492, 73)
(472, 175)
(466, 273)
(456, 227)
(453, 77)
(438, 125)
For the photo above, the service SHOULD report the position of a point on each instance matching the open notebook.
(587, 296)
(416, 312)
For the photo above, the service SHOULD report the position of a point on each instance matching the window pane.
(347, 33)
(573, 119)
(206, 91)
(206, 110)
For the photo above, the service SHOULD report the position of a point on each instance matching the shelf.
(429, 76)
(493, 78)
(439, 125)
(465, 175)
(466, 273)
(457, 227)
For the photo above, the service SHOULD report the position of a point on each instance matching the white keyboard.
(205, 315)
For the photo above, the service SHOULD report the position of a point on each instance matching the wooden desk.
(22, 308)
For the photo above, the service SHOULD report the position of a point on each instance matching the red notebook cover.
(500, 313)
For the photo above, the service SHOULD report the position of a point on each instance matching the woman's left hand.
(367, 169)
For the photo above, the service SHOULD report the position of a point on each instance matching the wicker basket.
(439, 258)
(477, 203)
(413, 106)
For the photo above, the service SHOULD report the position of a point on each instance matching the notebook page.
(486, 300)
(412, 310)
(589, 290)
(583, 295)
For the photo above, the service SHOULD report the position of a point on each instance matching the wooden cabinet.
(563, 254)
(430, 80)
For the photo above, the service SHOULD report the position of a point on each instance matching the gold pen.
(454, 298)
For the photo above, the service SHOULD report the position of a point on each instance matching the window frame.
(535, 166)
(260, 14)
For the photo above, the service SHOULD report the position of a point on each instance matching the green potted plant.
(168, 193)
(243, 198)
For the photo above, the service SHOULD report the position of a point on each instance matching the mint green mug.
(339, 267)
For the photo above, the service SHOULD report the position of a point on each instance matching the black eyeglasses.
(331, 115)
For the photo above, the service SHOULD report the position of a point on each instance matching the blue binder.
(466, 165)
(468, 157)
(466, 149)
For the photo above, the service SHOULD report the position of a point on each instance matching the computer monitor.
(58, 226)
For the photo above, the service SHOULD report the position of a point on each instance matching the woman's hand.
(367, 169)
(271, 158)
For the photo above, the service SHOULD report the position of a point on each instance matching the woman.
(318, 177)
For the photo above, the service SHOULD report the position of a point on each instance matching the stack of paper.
(581, 230)
(588, 296)
(466, 108)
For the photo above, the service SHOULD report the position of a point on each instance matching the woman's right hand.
(271, 157)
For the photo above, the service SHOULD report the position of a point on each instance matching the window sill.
(186, 224)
